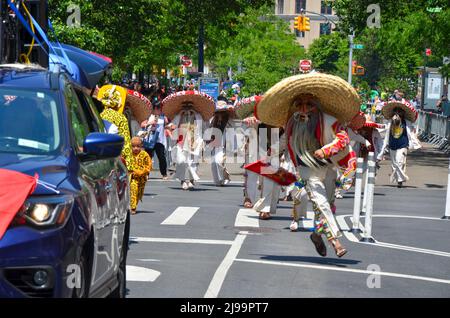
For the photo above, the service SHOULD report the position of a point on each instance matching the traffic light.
(306, 26)
(298, 23)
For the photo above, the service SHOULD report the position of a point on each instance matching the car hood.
(50, 169)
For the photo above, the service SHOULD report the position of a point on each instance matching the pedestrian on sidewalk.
(189, 111)
(142, 165)
(399, 137)
(314, 109)
(217, 144)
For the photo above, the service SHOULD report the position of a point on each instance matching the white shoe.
(227, 181)
(294, 226)
(185, 186)
(190, 185)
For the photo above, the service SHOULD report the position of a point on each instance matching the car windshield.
(28, 122)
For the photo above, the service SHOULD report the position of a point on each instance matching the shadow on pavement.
(312, 259)
(194, 190)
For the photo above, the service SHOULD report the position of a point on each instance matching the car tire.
(121, 289)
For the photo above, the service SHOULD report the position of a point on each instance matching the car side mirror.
(102, 146)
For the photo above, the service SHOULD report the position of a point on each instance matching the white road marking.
(345, 229)
(351, 237)
(406, 217)
(141, 274)
(247, 217)
(309, 222)
(221, 272)
(181, 215)
(340, 269)
(148, 260)
(178, 240)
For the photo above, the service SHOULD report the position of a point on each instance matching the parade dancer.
(399, 137)
(217, 144)
(189, 110)
(142, 165)
(315, 108)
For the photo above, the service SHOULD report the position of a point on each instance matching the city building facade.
(320, 13)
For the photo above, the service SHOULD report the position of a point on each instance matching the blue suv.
(70, 238)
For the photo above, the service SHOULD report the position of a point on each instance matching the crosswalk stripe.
(309, 222)
(247, 217)
(181, 215)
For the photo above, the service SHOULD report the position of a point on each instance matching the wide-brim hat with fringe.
(337, 98)
(410, 112)
(246, 106)
(202, 103)
(358, 121)
(140, 106)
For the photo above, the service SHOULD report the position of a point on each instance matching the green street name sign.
(358, 46)
(434, 10)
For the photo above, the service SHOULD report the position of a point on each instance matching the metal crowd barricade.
(435, 129)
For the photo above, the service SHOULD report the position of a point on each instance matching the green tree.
(262, 52)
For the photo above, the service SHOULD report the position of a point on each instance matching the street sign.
(358, 46)
(446, 60)
(186, 61)
(305, 65)
(210, 86)
(434, 10)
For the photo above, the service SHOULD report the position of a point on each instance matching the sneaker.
(185, 186)
(294, 226)
(226, 181)
(400, 184)
(190, 185)
(165, 178)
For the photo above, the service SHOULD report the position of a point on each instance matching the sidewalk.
(427, 168)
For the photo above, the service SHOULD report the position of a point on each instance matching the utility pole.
(201, 41)
(350, 58)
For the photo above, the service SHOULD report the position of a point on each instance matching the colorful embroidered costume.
(121, 122)
(142, 165)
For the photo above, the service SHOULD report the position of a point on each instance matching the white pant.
(270, 193)
(320, 186)
(251, 186)
(301, 199)
(219, 172)
(398, 159)
(186, 166)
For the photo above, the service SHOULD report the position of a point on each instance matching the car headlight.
(47, 211)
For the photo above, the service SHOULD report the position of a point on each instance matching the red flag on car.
(15, 187)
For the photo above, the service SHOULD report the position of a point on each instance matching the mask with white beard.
(304, 142)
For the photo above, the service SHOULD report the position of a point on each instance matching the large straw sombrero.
(410, 112)
(337, 98)
(246, 106)
(203, 104)
(140, 106)
(112, 96)
(358, 121)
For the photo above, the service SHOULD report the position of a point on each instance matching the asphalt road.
(201, 244)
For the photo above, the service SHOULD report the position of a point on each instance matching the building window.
(326, 7)
(280, 7)
(299, 5)
(299, 34)
(325, 28)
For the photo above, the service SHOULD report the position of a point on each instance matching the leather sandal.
(340, 251)
(248, 204)
(264, 216)
(319, 244)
